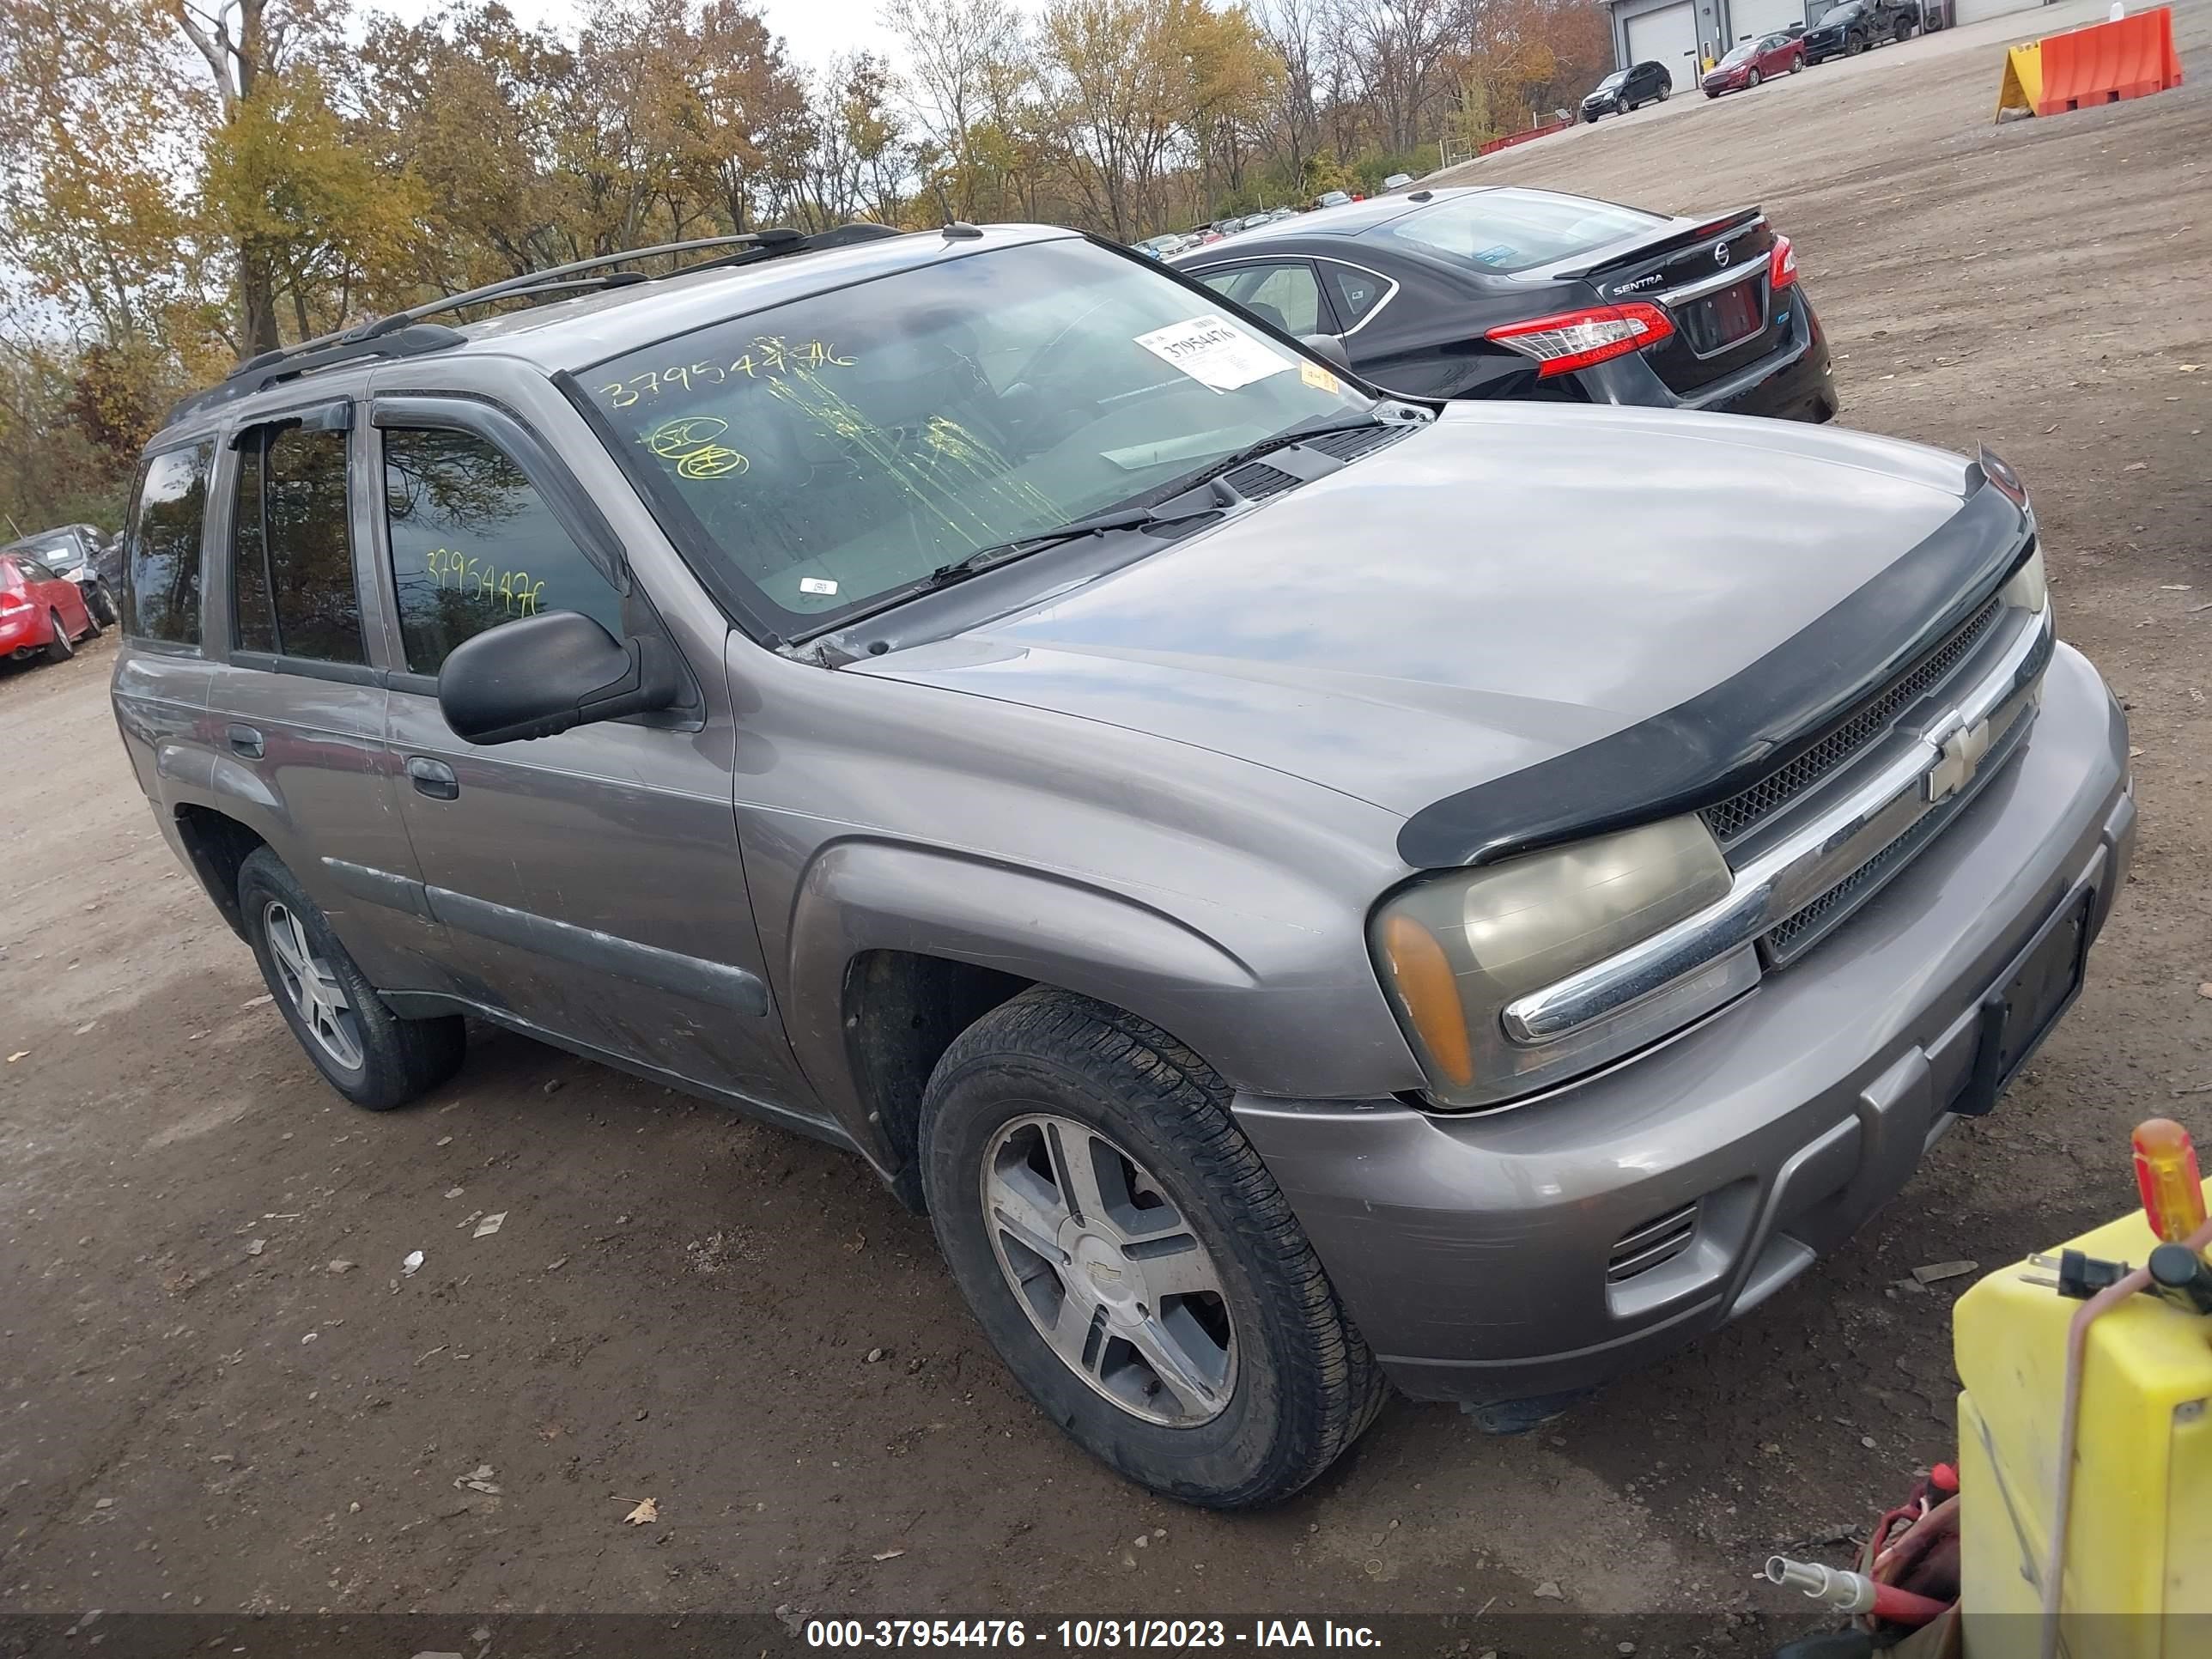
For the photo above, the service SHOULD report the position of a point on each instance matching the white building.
(1683, 33)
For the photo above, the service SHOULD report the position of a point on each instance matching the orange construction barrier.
(2105, 62)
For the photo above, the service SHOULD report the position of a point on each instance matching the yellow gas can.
(2138, 1571)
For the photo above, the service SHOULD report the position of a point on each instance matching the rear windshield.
(1510, 230)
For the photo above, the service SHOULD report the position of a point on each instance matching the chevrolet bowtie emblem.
(1960, 752)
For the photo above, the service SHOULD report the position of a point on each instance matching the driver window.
(474, 545)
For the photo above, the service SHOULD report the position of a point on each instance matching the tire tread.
(1187, 1103)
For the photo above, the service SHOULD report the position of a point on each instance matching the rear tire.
(364, 1050)
(1051, 1096)
(58, 648)
(1660, 96)
(1797, 65)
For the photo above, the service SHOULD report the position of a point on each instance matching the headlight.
(1454, 950)
(2026, 587)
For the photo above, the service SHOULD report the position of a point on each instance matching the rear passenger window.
(1286, 295)
(292, 547)
(161, 558)
(474, 545)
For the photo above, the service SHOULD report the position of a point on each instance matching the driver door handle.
(433, 778)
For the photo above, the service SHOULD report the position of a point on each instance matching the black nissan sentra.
(1509, 293)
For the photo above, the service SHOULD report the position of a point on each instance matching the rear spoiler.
(1672, 241)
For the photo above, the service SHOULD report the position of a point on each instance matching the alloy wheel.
(1109, 1271)
(312, 988)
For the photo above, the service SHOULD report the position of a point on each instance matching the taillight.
(1576, 339)
(1780, 264)
(12, 603)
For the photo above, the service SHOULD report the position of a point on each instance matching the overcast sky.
(813, 30)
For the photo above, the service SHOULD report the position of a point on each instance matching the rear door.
(160, 684)
(592, 880)
(297, 708)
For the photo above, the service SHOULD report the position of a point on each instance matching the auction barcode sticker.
(1214, 352)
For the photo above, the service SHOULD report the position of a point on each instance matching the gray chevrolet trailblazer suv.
(1305, 888)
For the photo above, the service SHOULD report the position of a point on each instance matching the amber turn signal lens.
(1423, 977)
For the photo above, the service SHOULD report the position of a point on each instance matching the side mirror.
(546, 673)
(1329, 347)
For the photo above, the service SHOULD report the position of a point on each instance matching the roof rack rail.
(405, 334)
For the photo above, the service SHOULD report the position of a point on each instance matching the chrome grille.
(1733, 819)
(1806, 926)
(1651, 1245)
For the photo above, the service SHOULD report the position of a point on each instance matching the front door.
(592, 881)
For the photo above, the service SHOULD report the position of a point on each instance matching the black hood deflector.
(1724, 739)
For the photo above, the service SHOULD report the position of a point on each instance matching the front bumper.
(1472, 1251)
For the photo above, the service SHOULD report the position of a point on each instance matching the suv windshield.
(1510, 230)
(1617, 78)
(836, 449)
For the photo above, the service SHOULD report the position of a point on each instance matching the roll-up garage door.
(1668, 36)
(1753, 18)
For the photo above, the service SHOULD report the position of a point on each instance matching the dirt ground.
(203, 1409)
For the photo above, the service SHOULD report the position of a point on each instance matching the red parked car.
(1754, 61)
(39, 611)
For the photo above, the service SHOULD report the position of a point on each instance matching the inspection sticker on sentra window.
(1214, 352)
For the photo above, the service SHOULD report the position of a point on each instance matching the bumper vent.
(1652, 1245)
(1733, 819)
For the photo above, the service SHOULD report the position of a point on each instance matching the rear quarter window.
(1506, 231)
(162, 554)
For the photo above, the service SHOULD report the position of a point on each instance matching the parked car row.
(1844, 31)
(1167, 245)
(56, 587)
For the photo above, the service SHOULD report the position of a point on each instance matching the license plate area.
(1727, 319)
(2021, 1012)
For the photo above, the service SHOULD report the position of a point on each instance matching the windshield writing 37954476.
(767, 355)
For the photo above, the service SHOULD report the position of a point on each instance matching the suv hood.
(1509, 583)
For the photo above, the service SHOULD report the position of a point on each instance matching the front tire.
(1132, 1259)
(364, 1050)
(1751, 82)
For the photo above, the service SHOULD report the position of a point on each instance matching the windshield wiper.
(1136, 517)
(1122, 517)
(1296, 435)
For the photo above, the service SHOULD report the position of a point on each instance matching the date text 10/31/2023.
(1088, 1634)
